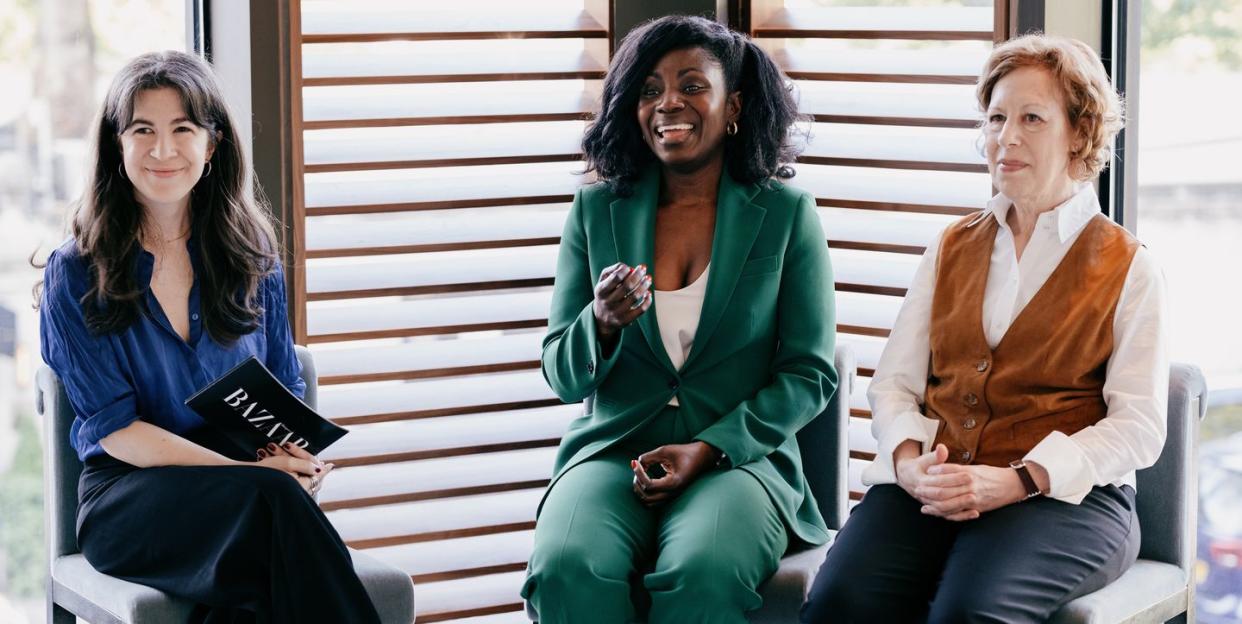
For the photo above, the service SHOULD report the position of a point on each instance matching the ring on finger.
(638, 302)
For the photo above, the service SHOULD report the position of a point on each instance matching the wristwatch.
(1028, 481)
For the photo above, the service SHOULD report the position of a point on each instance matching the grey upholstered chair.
(74, 588)
(825, 456)
(1160, 586)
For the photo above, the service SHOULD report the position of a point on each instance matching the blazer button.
(972, 400)
(965, 455)
(969, 424)
(673, 385)
(590, 367)
(981, 366)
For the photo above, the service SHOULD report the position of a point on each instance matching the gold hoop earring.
(731, 128)
(207, 172)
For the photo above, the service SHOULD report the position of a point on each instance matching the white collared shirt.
(1136, 384)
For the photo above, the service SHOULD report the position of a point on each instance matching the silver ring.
(638, 303)
(314, 485)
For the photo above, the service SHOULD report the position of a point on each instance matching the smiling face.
(684, 107)
(1028, 137)
(163, 151)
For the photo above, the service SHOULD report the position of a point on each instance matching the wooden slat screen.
(891, 156)
(438, 149)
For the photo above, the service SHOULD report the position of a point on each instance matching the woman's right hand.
(621, 295)
(944, 495)
(297, 463)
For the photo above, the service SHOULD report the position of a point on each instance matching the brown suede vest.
(1047, 373)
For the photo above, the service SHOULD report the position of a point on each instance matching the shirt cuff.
(1069, 472)
(108, 420)
(905, 426)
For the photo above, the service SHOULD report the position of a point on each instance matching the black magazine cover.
(252, 408)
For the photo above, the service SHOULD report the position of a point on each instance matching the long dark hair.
(233, 233)
(761, 149)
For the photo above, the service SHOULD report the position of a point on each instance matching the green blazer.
(762, 363)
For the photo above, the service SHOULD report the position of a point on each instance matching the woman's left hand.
(981, 489)
(681, 463)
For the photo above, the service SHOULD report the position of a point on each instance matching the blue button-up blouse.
(147, 371)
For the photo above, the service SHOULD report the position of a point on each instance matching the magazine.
(253, 409)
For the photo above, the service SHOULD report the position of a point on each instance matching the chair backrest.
(824, 443)
(61, 464)
(1167, 492)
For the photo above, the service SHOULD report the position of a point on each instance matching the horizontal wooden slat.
(432, 189)
(435, 230)
(413, 522)
(855, 468)
(414, 63)
(415, 360)
(934, 23)
(860, 436)
(522, 267)
(414, 399)
(859, 406)
(435, 478)
(914, 105)
(891, 66)
(358, 22)
(441, 146)
(514, 617)
(448, 103)
(867, 311)
(493, 593)
(930, 149)
(886, 272)
(897, 232)
(334, 321)
(936, 192)
(866, 349)
(448, 271)
(428, 559)
(393, 441)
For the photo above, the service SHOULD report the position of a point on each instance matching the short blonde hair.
(1094, 109)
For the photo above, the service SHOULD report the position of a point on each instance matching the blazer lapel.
(633, 232)
(737, 226)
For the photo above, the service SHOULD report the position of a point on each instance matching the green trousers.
(601, 557)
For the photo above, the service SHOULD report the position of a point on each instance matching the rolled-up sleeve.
(90, 367)
(282, 360)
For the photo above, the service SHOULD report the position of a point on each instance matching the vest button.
(969, 424)
(972, 400)
(981, 366)
(965, 455)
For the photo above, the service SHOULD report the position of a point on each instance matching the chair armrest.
(824, 443)
(61, 466)
(1168, 492)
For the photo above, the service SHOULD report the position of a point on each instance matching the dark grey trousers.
(1020, 563)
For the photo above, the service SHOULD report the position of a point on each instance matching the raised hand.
(621, 295)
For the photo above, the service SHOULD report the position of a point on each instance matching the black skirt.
(245, 543)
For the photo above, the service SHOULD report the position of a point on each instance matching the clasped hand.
(295, 461)
(955, 491)
(676, 467)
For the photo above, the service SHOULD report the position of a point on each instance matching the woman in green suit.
(693, 300)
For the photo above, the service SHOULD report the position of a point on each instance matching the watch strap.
(1028, 482)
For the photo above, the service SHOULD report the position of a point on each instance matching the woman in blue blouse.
(171, 278)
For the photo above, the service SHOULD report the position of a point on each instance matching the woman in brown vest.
(1024, 382)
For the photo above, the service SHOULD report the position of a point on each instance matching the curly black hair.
(613, 144)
